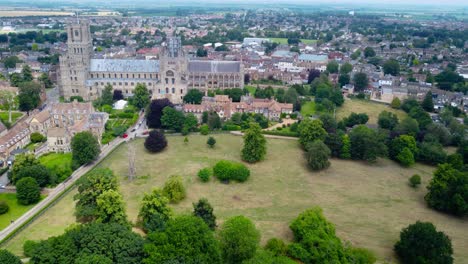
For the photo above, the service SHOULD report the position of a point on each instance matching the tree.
(27, 74)
(4, 207)
(431, 153)
(369, 52)
(405, 157)
(172, 119)
(204, 130)
(155, 142)
(36, 137)
(102, 243)
(448, 190)
(312, 75)
(254, 144)
(186, 239)
(328, 122)
(387, 120)
(110, 208)
(360, 81)
(7, 257)
(155, 112)
(10, 62)
(9, 102)
(346, 68)
(392, 67)
(45, 80)
(174, 189)
(190, 122)
(214, 121)
(291, 97)
(29, 96)
(204, 210)
(205, 174)
(345, 152)
(344, 79)
(427, 104)
(365, 144)
(436, 132)
(117, 95)
(401, 142)
(90, 188)
(211, 142)
(28, 191)
(107, 95)
(423, 118)
(239, 239)
(332, 67)
(407, 126)
(201, 52)
(39, 172)
(154, 211)
(85, 148)
(315, 240)
(317, 155)
(311, 130)
(193, 96)
(396, 103)
(422, 243)
(141, 96)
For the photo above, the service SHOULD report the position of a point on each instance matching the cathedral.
(169, 77)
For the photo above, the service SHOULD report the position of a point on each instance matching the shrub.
(7, 257)
(174, 190)
(276, 246)
(4, 207)
(37, 137)
(27, 191)
(415, 180)
(238, 239)
(422, 243)
(226, 170)
(204, 130)
(155, 142)
(405, 157)
(254, 144)
(205, 174)
(211, 142)
(28, 247)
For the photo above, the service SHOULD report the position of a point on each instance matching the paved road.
(105, 150)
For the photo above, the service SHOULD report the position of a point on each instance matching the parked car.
(146, 132)
(133, 130)
(125, 135)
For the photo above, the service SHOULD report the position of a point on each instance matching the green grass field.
(308, 109)
(285, 40)
(14, 116)
(53, 160)
(16, 210)
(251, 89)
(372, 109)
(369, 204)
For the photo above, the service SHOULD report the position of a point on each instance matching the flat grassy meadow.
(16, 209)
(368, 203)
(372, 109)
(14, 116)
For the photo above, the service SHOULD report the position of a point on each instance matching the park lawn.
(251, 89)
(14, 116)
(308, 108)
(369, 204)
(372, 109)
(16, 210)
(285, 41)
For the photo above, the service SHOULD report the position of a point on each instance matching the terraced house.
(169, 77)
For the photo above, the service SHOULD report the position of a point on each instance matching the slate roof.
(214, 66)
(313, 57)
(117, 65)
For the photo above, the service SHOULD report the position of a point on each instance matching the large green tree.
(332, 67)
(107, 95)
(387, 120)
(141, 96)
(392, 67)
(193, 96)
(317, 155)
(154, 211)
(29, 96)
(254, 144)
(28, 191)
(360, 81)
(311, 130)
(7, 257)
(172, 119)
(186, 239)
(103, 243)
(239, 239)
(90, 189)
(428, 104)
(85, 148)
(155, 112)
(422, 243)
(111, 208)
(366, 144)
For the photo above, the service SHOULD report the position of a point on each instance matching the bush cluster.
(205, 174)
(226, 170)
(4, 207)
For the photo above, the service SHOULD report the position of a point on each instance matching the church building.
(169, 77)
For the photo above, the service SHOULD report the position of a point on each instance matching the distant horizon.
(356, 3)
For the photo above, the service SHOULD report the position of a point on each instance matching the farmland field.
(372, 109)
